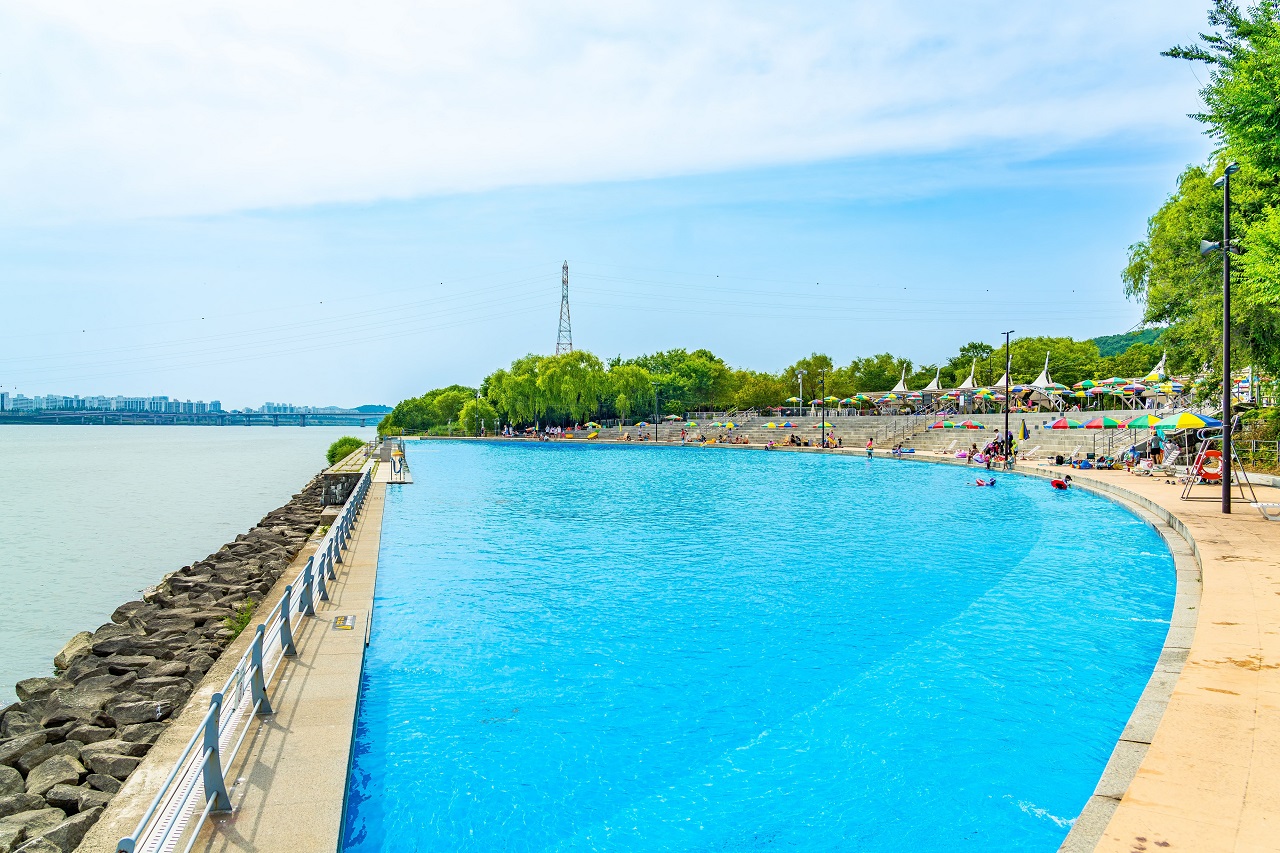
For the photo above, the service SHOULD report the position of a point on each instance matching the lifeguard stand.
(1206, 469)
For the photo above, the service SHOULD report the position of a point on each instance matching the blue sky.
(213, 202)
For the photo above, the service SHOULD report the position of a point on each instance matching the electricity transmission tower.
(564, 341)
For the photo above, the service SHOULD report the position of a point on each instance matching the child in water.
(982, 482)
(1063, 484)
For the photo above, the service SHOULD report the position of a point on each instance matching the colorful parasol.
(1188, 420)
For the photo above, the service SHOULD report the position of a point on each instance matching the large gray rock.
(102, 782)
(65, 797)
(41, 754)
(120, 664)
(77, 646)
(130, 713)
(59, 770)
(66, 835)
(115, 747)
(90, 734)
(39, 845)
(91, 799)
(143, 732)
(10, 781)
(18, 723)
(38, 688)
(20, 803)
(119, 766)
(17, 828)
(14, 748)
(83, 703)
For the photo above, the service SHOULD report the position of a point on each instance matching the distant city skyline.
(160, 404)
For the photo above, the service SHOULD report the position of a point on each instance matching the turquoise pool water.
(603, 648)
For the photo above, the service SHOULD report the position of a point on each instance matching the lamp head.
(1220, 183)
(1232, 168)
(1206, 247)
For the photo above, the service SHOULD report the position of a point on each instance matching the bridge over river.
(83, 416)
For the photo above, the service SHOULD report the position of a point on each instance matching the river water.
(91, 515)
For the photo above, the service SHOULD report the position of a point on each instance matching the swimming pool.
(640, 648)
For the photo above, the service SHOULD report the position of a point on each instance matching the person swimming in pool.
(982, 482)
(1063, 484)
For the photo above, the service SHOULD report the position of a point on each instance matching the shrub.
(342, 448)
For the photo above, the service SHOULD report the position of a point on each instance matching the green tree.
(1242, 97)
(573, 383)
(473, 409)
(1177, 286)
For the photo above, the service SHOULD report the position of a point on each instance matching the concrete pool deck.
(1210, 779)
(290, 780)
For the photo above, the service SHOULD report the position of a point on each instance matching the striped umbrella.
(1102, 423)
(1141, 422)
(1188, 420)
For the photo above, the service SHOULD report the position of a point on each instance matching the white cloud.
(162, 108)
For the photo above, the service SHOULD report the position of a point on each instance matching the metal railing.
(199, 773)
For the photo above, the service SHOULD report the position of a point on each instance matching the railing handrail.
(160, 828)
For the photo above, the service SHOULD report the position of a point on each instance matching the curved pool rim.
(1088, 829)
(1127, 755)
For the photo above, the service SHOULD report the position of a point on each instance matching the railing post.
(335, 556)
(306, 605)
(215, 787)
(320, 575)
(256, 680)
(286, 625)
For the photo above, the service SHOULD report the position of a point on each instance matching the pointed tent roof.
(1043, 380)
(901, 387)
(968, 384)
(1157, 373)
(999, 383)
(934, 386)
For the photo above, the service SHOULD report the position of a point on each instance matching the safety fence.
(197, 786)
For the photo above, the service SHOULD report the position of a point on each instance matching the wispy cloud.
(153, 108)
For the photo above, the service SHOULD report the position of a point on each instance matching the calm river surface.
(90, 515)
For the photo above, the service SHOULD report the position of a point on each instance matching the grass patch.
(240, 619)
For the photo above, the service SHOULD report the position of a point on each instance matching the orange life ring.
(1214, 474)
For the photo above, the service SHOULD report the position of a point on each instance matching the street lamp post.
(800, 379)
(477, 413)
(1227, 248)
(1008, 442)
(822, 393)
(655, 412)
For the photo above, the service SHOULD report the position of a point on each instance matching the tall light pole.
(1227, 248)
(655, 412)
(800, 379)
(477, 413)
(822, 393)
(1008, 442)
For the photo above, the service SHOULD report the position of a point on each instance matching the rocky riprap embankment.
(70, 740)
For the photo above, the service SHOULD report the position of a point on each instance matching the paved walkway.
(1210, 781)
(290, 779)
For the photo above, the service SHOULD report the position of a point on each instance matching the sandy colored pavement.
(1210, 780)
(288, 784)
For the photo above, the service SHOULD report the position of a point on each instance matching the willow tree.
(572, 383)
